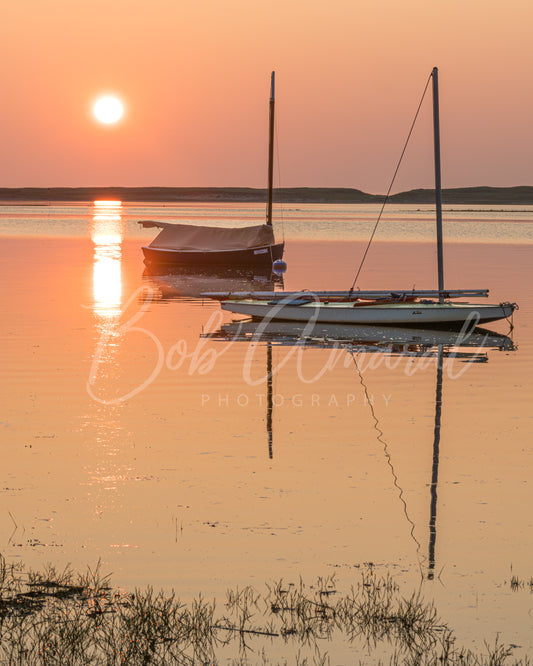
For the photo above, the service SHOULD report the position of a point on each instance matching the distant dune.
(462, 195)
(522, 195)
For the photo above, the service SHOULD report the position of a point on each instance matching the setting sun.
(108, 110)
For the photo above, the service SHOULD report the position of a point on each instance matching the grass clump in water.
(517, 583)
(54, 617)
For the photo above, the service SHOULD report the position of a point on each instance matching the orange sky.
(194, 76)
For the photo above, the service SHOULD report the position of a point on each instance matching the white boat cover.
(209, 239)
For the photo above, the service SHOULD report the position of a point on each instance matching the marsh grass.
(58, 617)
(517, 583)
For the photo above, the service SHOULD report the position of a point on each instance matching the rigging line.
(391, 185)
(387, 454)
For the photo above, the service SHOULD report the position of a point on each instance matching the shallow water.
(131, 435)
(491, 224)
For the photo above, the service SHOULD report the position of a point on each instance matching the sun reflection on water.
(107, 232)
(108, 472)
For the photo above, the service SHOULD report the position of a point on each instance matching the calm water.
(500, 224)
(139, 428)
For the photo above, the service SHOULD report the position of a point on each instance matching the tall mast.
(438, 188)
(270, 150)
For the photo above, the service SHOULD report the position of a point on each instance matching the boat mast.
(270, 150)
(438, 188)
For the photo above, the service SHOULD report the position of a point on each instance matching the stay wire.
(390, 186)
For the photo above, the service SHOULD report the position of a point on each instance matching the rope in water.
(390, 186)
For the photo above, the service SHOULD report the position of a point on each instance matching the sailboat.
(394, 307)
(205, 246)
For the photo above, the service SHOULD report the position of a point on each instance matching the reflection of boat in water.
(192, 245)
(191, 283)
(366, 338)
(385, 340)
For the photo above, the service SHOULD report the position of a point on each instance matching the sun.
(108, 109)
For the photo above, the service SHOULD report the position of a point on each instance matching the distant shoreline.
(521, 195)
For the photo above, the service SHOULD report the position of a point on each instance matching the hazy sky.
(194, 78)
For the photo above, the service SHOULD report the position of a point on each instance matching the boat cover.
(209, 239)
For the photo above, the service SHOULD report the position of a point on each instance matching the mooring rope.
(390, 186)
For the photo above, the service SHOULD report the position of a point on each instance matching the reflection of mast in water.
(269, 398)
(435, 467)
(382, 340)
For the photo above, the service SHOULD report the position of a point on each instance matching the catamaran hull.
(403, 314)
(247, 258)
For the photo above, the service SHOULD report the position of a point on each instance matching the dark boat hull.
(250, 257)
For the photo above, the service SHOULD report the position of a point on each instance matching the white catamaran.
(395, 307)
